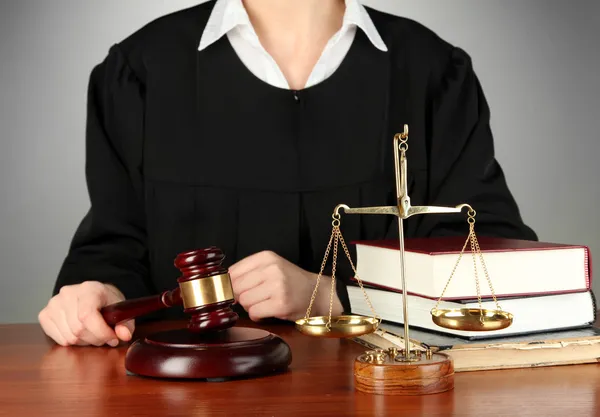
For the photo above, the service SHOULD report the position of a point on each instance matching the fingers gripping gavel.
(83, 314)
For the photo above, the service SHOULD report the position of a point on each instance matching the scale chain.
(357, 277)
(314, 294)
(336, 231)
(475, 249)
(336, 237)
(475, 267)
(487, 276)
(452, 273)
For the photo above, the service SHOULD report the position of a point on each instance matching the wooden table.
(40, 379)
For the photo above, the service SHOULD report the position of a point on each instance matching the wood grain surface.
(40, 379)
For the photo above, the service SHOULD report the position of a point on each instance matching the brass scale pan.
(466, 319)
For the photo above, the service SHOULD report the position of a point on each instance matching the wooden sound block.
(237, 352)
(379, 372)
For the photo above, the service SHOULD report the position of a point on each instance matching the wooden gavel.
(204, 290)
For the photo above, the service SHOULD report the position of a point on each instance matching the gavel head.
(206, 290)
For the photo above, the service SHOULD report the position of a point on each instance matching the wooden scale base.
(211, 347)
(237, 352)
(381, 372)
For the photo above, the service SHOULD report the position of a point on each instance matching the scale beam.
(368, 210)
(395, 211)
(433, 209)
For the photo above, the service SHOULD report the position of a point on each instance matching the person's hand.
(72, 317)
(267, 285)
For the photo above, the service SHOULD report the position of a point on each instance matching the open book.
(534, 350)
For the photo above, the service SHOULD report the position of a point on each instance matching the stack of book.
(546, 286)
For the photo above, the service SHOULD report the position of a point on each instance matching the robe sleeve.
(463, 167)
(110, 243)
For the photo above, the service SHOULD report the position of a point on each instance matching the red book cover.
(453, 245)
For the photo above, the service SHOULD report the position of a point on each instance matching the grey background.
(538, 61)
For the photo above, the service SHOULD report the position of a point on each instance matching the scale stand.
(404, 371)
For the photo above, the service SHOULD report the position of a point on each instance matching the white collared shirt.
(229, 17)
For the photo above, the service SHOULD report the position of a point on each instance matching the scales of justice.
(213, 348)
(403, 371)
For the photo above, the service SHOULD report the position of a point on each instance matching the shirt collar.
(228, 14)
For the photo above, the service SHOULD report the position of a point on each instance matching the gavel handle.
(117, 313)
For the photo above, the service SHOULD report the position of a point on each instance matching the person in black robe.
(187, 149)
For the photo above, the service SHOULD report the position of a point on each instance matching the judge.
(242, 124)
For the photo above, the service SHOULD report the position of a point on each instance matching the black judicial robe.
(188, 149)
